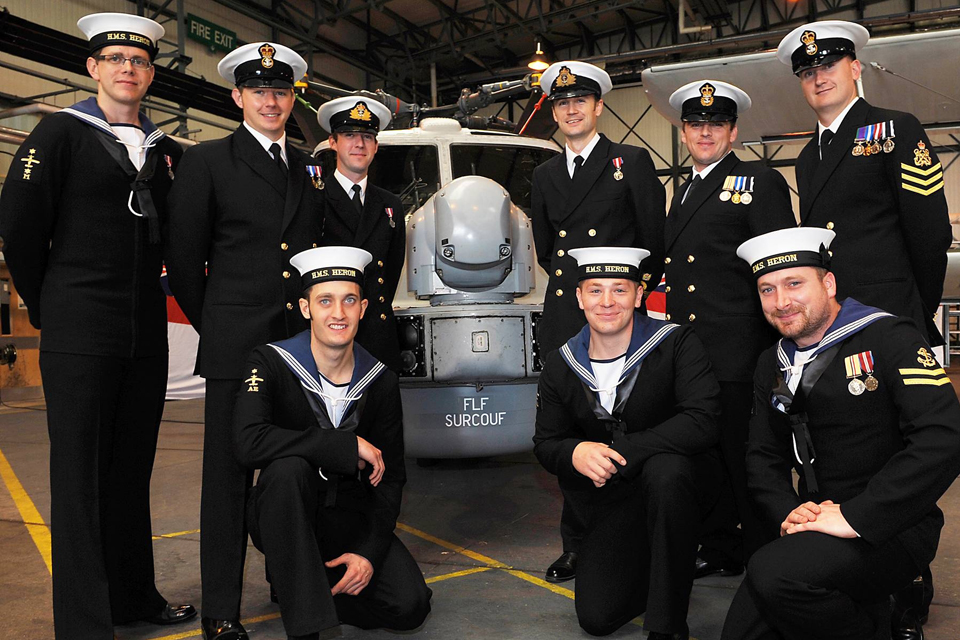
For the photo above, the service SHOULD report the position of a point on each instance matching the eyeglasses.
(118, 60)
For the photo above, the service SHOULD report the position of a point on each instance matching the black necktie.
(825, 139)
(691, 187)
(278, 158)
(356, 199)
(577, 163)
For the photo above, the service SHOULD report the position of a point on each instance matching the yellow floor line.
(28, 511)
(174, 535)
(473, 555)
(457, 574)
(195, 633)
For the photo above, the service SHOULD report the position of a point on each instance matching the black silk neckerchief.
(794, 403)
(612, 419)
(349, 423)
(140, 182)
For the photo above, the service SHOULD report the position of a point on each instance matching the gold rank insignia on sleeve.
(922, 181)
(253, 381)
(29, 162)
(931, 375)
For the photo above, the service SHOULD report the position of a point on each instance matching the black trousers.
(722, 542)
(223, 499)
(811, 585)
(103, 417)
(638, 554)
(297, 533)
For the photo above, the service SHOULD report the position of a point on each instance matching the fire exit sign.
(212, 35)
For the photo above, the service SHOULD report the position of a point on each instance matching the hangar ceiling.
(395, 42)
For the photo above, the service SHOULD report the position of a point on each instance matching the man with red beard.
(852, 398)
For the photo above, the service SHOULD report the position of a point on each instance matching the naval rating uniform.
(80, 216)
(659, 413)
(310, 504)
(869, 420)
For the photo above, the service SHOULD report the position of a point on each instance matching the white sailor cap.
(787, 248)
(608, 262)
(123, 29)
(709, 101)
(571, 78)
(262, 64)
(821, 42)
(325, 264)
(354, 113)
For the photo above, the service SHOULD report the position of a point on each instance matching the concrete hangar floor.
(483, 532)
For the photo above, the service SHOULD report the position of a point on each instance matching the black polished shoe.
(563, 568)
(222, 629)
(725, 569)
(173, 614)
(273, 595)
(906, 626)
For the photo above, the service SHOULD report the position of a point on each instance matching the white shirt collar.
(266, 142)
(836, 121)
(347, 185)
(706, 170)
(571, 154)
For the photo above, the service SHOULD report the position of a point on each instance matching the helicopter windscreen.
(510, 166)
(410, 171)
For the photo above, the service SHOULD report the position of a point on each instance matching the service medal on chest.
(618, 165)
(724, 196)
(871, 383)
(746, 198)
(856, 387)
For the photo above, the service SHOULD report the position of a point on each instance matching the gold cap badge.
(809, 38)
(360, 112)
(267, 52)
(566, 77)
(706, 94)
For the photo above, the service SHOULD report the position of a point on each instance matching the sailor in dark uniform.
(596, 193)
(321, 418)
(80, 216)
(871, 175)
(852, 398)
(240, 208)
(626, 418)
(361, 214)
(725, 202)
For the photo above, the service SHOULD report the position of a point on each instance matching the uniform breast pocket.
(865, 166)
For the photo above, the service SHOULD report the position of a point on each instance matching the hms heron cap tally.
(818, 43)
(122, 29)
(709, 101)
(327, 264)
(262, 64)
(608, 262)
(786, 249)
(354, 113)
(571, 78)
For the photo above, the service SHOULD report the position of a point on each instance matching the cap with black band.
(608, 262)
(262, 64)
(328, 264)
(710, 101)
(819, 43)
(571, 78)
(358, 114)
(121, 29)
(786, 249)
